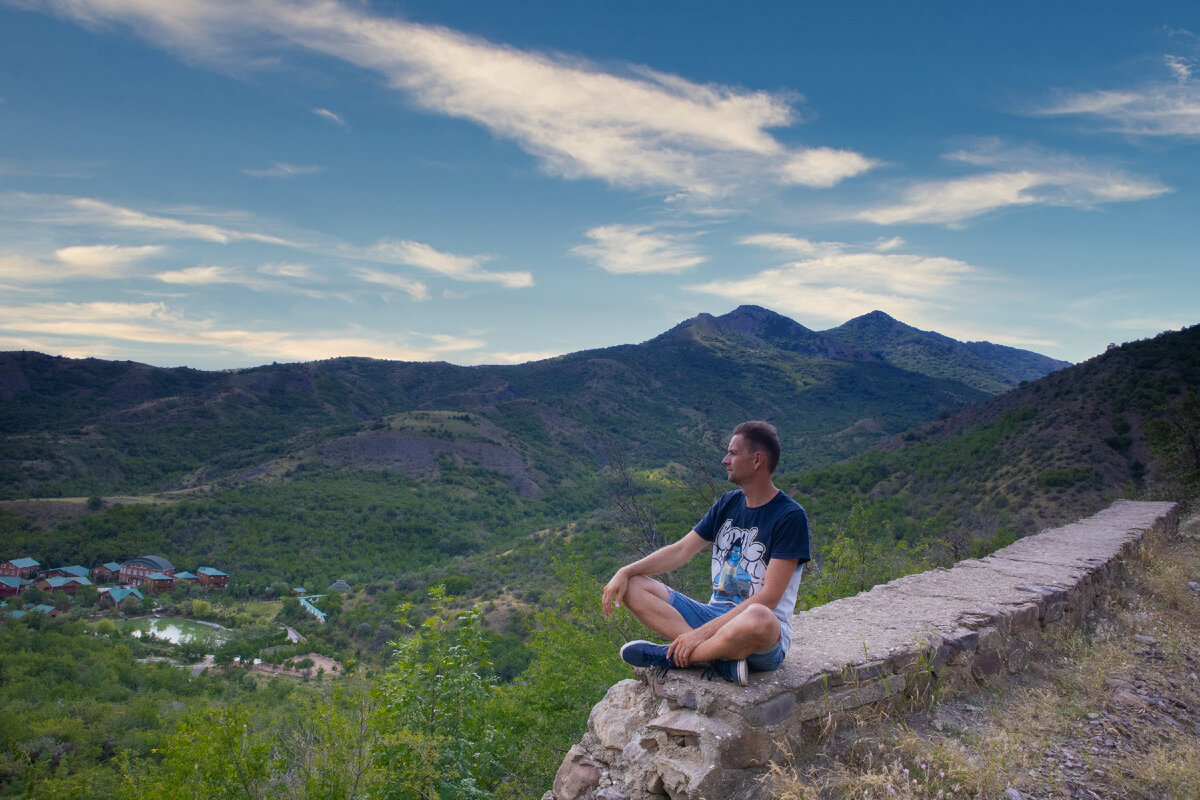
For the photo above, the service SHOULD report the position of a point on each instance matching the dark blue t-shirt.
(744, 542)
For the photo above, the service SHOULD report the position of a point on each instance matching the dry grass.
(1110, 711)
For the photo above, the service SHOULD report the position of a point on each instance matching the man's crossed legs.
(730, 638)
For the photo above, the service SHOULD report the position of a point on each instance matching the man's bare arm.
(664, 559)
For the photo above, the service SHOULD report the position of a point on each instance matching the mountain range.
(88, 426)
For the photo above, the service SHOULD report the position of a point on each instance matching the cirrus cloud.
(1154, 108)
(1016, 177)
(77, 262)
(451, 265)
(638, 249)
(97, 328)
(633, 127)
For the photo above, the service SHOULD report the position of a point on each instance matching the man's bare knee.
(759, 623)
(643, 590)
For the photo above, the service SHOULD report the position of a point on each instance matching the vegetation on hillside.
(90, 427)
(305, 505)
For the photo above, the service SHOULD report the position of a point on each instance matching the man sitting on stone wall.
(759, 539)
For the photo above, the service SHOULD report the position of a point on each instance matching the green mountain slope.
(989, 367)
(1044, 453)
(94, 427)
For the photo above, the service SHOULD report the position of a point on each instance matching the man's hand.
(614, 592)
(680, 651)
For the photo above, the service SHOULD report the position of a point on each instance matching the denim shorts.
(696, 614)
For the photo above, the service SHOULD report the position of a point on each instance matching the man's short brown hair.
(762, 437)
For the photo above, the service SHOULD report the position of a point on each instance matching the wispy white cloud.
(336, 119)
(65, 210)
(201, 276)
(632, 128)
(1017, 177)
(23, 269)
(281, 170)
(837, 281)
(504, 357)
(293, 271)
(104, 257)
(99, 212)
(96, 262)
(822, 167)
(1165, 107)
(108, 260)
(81, 329)
(279, 279)
(638, 249)
(396, 283)
(791, 245)
(450, 265)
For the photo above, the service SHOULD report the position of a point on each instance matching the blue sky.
(226, 183)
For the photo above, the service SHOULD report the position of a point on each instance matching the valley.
(437, 492)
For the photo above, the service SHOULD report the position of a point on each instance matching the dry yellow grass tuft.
(1110, 711)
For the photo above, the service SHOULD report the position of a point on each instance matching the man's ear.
(760, 458)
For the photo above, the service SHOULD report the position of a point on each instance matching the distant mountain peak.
(876, 320)
(763, 326)
(759, 322)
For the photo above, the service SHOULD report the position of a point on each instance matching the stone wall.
(684, 738)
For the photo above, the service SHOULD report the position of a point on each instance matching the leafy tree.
(863, 553)
(291, 612)
(325, 745)
(216, 752)
(545, 710)
(435, 740)
(1175, 440)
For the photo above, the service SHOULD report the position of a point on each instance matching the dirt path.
(330, 666)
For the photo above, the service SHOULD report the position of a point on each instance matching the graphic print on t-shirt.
(741, 566)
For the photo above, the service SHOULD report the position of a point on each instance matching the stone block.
(986, 663)
(963, 640)
(616, 718)
(754, 748)
(772, 712)
(579, 776)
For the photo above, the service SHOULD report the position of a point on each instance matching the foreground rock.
(686, 738)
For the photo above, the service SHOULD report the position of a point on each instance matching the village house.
(116, 594)
(211, 578)
(107, 573)
(136, 571)
(40, 608)
(10, 587)
(67, 585)
(159, 582)
(74, 571)
(190, 577)
(19, 568)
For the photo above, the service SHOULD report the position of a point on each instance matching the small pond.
(176, 630)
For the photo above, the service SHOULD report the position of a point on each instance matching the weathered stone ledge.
(685, 738)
